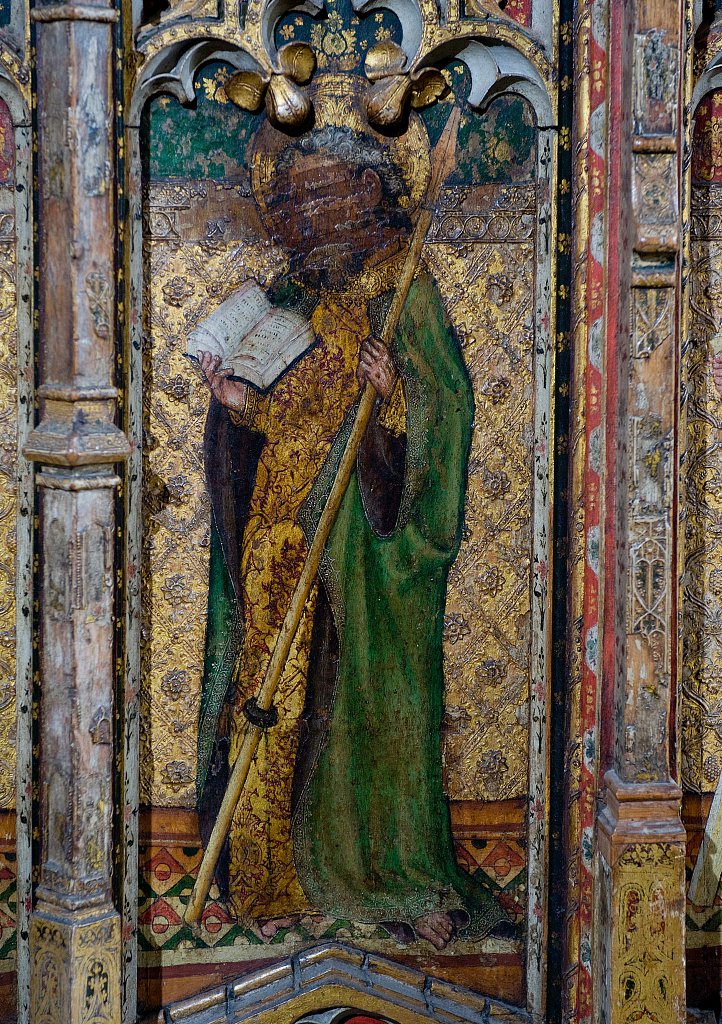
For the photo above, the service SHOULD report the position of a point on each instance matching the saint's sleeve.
(380, 464)
(392, 415)
(254, 414)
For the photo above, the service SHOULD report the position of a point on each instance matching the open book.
(255, 339)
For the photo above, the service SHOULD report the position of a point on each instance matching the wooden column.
(75, 929)
(639, 909)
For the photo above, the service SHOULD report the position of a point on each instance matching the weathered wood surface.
(75, 930)
(640, 852)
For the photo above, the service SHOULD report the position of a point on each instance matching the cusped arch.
(708, 81)
(497, 68)
(16, 102)
(500, 58)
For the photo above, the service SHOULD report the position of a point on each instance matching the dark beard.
(327, 267)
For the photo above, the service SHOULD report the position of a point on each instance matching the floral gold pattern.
(649, 933)
(8, 470)
(496, 546)
(701, 712)
(300, 421)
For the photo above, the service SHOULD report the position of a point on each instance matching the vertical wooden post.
(75, 929)
(639, 910)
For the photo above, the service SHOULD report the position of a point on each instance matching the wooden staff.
(442, 164)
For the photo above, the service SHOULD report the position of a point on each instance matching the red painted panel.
(7, 146)
(707, 145)
(519, 10)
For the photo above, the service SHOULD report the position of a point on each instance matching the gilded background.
(702, 582)
(487, 636)
(701, 708)
(8, 446)
(202, 240)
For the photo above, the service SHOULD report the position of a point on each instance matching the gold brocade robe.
(299, 419)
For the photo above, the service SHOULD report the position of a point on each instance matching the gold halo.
(338, 100)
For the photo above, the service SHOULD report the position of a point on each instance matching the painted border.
(589, 29)
(540, 704)
(129, 685)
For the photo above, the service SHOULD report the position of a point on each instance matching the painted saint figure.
(344, 811)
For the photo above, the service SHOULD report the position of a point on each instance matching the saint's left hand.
(376, 366)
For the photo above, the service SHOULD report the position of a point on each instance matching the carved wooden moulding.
(299, 991)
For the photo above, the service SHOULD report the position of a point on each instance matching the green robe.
(372, 834)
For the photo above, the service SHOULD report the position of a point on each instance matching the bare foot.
(437, 928)
(268, 930)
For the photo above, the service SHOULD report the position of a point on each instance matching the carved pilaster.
(76, 971)
(75, 929)
(640, 904)
(643, 749)
(639, 922)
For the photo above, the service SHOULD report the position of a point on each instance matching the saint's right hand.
(230, 393)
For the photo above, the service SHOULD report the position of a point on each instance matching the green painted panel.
(206, 140)
(210, 138)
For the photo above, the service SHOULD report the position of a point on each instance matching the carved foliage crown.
(400, 72)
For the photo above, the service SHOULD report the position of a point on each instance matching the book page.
(270, 347)
(221, 332)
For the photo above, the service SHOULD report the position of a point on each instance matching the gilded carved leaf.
(298, 61)
(386, 100)
(429, 85)
(246, 89)
(393, 86)
(285, 102)
(384, 59)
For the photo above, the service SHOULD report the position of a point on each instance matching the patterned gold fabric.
(299, 418)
